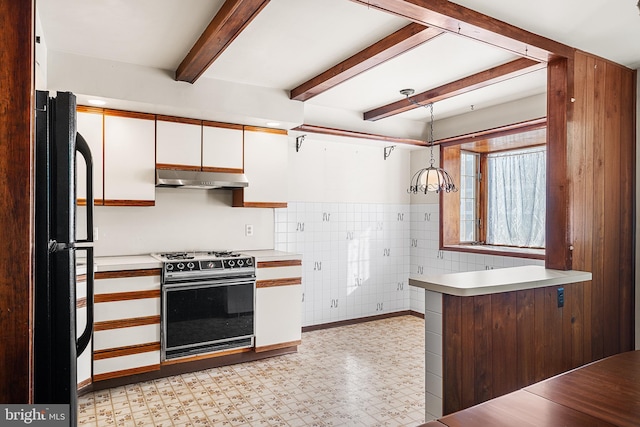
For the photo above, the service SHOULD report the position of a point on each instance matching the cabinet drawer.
(116, 310)
(124, 337)
(126, 284)
(106, 367)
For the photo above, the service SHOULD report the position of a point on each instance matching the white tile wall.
(355, 257)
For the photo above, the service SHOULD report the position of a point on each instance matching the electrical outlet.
(248, 230)
(560, 297)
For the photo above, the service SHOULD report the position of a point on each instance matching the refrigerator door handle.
(83, 341)
(83, 148)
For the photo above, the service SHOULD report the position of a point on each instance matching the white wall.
(348, 216)
(182, 219)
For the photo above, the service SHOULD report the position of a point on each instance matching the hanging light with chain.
(431, 178)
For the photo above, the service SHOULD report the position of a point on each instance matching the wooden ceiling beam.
(229, 22)
(389, 47)
(479, 80)
(465, 22)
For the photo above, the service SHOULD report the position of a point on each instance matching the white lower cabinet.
(83, 364)
(278, 314)
(126, 339)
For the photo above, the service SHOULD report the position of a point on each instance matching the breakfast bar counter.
(491, 332)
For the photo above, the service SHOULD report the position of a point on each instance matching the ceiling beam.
(231, 19)
(482, 79)
(355, 134)
(389, 47)
(465, 22)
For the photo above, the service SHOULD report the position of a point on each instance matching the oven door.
(204, 317)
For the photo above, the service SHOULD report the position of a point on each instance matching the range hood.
(200, 180)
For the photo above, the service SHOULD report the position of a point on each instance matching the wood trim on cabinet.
(265, 130)
(81, 302)
(126, 323)
(89, 109)
(381, 51)
(85, 383)
(167, 166)
(501, 73)
(206, 356)
(129, 114)
(221, 125)
(174, 119)
(81, 278)
(278, 282)
(279, 263)
(127, 273)
(278, 346)
(238, 201)
(83, 202)
(223, 170)
(125, 373)
(126, 351)
(126, 296)
(138, 203)
(353, 134)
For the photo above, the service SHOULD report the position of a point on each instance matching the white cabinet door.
(89, 125)
(265, 165)
(129, 159)
(178, 143)
(222, 147)
(278, 317)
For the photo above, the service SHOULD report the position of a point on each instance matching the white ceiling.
(291, 41)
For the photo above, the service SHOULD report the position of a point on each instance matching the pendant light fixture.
(431, 178)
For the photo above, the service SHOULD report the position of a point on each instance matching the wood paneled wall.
(601, 170)
(499, 343)
(16, 86)
(495, 344)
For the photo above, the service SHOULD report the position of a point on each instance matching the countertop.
(144, 262)
(484, 282)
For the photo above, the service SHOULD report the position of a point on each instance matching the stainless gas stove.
(208, 301)
(199, 265)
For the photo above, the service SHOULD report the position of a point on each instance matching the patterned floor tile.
(369, 374)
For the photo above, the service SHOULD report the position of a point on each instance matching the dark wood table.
(603, 393)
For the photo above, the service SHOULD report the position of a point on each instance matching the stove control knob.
(181, 266)
(240, 262)
(249, 261)
(190, 266)
(169, 267)
(210, 264)
(231, 263)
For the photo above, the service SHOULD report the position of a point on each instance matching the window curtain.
(516, 198)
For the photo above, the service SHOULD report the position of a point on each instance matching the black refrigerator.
(57, 342)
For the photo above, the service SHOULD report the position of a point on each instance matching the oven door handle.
(208, 284)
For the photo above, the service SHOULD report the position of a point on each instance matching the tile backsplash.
(357, 257)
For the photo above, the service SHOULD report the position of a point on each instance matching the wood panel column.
(557, 253)
(16, 148)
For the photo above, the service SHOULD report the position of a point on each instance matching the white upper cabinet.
(129, 158)
(89, 125)
(222, 147)
(265, 166)
(178, 143)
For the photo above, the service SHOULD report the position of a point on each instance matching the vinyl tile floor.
(368, 374)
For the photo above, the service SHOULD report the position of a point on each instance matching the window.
(469, 165)
(501, 203)
(516, 198)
